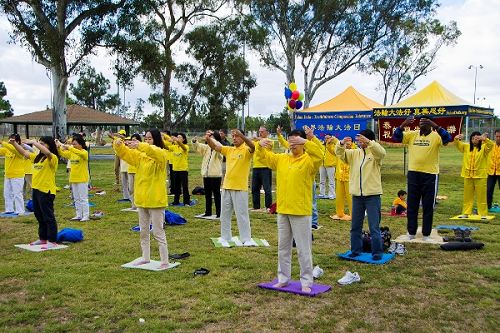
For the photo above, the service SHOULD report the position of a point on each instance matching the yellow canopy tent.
(344, 115)
(433, 100)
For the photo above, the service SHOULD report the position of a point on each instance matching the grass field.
(84, 289)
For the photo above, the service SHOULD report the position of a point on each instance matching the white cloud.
(29, 88)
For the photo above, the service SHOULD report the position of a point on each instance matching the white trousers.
(296, 227)
(124, 182)
(156, 217)
(80, 193)
(324, 173)
(237, 201)
(131, 180)
(13, 195)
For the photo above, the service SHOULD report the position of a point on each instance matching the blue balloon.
(288, 93)
(298, 105)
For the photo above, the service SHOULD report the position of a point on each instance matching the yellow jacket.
(365, 176)
(475, 162)
(341, 168)
(151, 163)
(494, 161)
(178, 154)
(257, 163)
(211, 165)
(282, 141)
(79, 164)
(294, 177)
(44, 174)
(14, 161)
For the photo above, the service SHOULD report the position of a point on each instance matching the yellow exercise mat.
(473, 218)
(435, 238)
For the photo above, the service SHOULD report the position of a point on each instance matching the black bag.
(198, 190)
(385, 234)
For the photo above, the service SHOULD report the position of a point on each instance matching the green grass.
(83, 288)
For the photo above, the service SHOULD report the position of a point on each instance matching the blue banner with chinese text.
(339, 124)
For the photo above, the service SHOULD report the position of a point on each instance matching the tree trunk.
(59, 109)
(167, 112)
(290, 78)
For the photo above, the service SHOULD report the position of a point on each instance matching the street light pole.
(475, 80)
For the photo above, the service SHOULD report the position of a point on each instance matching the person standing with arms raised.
(423, 169)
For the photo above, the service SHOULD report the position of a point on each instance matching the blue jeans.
(371, 204)
(314, 219)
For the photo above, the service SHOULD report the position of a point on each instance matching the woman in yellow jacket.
(14, 177)
(28, 173)
(342, 181)
(180, 150)
(78, 156)
(295, 174)
(44, 187)
(211, 171)
(150, 194)
(327, 170)
(474, 171)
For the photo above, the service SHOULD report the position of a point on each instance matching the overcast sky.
(28, 87)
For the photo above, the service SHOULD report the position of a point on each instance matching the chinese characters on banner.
(339, 124)
(387, 126)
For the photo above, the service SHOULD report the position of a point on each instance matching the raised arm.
(281, 139)
(247, 141)
(214, 144)
(461, 146)
(397, 136)
(264, 153)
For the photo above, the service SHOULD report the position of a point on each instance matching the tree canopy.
(5, 107)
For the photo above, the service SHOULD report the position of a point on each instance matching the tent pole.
(466, 126)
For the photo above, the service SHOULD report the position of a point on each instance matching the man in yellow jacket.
(365, 185)
(493, 169)
(262, 176)
(235, 186)
(295, 173)
(474, 171)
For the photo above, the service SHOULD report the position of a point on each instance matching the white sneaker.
(318, 272)
(349, 278)
(427, 238)
(250, 243)
(409, 237)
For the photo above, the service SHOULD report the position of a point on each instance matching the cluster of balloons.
(294, 97)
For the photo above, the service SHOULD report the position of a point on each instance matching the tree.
(5, 107)
(283, 120)
(148, 32)
(326, 37)
(91, 91)
(59, 34)
(408, 55)
(220, 76)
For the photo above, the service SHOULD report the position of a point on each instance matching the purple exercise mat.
(295, 287)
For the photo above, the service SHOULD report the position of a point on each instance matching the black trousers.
(171, 178)
(212, 188)
(262, 177)
(43, 206)
(421, 187)
(490, 188)
(181, 182)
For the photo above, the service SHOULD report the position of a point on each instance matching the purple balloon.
(288, 93)
(298, 104)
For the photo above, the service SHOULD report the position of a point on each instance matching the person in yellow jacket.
(45, 164)
(180, 167)
(365, 185)
(474, 171)
(342, 180)
(327, 171)
(262, 176)
(131, 171)
(211, 171)
(295, 174)
(235, 187)
(493, 169)
(150, 193)
(14, 177)
(28, 173)
(78, 155)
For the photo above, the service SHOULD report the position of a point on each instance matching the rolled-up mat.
(462, 246)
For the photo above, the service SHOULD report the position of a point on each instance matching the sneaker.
(409, 237)
(349, 278)
(318, 272)
(392, 247)
(400, 249)
(331, 197)
(320, 196)
(192, 202)
(463, 216)
(176, 204)
(315, 226)
(426, 238)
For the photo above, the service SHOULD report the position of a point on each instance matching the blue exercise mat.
(455, 227)
(367, 258)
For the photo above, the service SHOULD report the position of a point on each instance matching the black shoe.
(459, 235)
(353, 255)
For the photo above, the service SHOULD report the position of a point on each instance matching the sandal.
(201, 271)
(179, 256)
